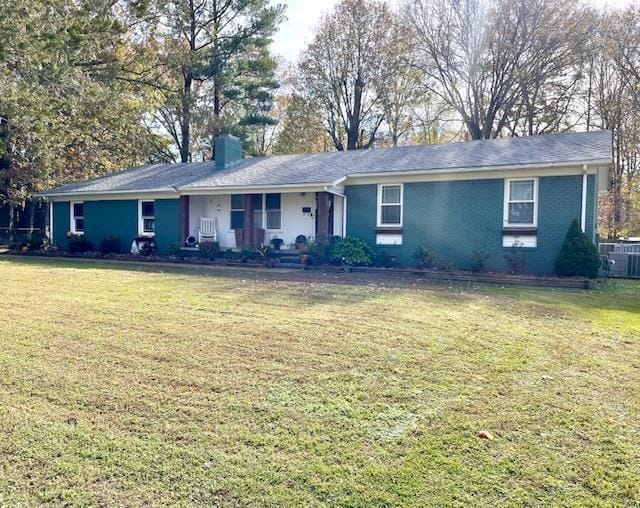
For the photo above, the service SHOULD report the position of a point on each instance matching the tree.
(203, 48)
(341, 68)
(65, 114)
(578, 255)
(300, 130)
(501, 65)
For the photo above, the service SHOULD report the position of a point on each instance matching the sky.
(303, 15)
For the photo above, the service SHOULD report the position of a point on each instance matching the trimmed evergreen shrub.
(110, 245)
(78, 244)
(578, 256)
(425, 257)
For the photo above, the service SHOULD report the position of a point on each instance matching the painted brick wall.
(61, 215)
(118, 218)
(167, 223)
(454, 217)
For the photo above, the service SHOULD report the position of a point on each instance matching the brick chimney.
(228, 151)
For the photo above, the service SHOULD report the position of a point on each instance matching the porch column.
(247, 226)
(184, 219)
(323, 215)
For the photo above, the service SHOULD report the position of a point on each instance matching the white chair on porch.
(207, 231)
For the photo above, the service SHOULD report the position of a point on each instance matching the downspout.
(50, 221)
(583, 216)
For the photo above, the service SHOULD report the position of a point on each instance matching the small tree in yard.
(578, 256)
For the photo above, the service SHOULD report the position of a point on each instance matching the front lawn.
(129, 385)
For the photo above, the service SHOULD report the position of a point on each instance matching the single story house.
(453, 197)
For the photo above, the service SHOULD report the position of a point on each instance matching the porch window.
(147, 217)
(77, 217)
(237, 211)
(257, 205)
(390, 205)
(521, 202)
(274, 217)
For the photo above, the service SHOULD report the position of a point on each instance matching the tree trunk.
(185, 127)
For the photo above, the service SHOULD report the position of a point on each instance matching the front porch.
(254, 219)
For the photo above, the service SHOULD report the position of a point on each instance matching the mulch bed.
(402, 273)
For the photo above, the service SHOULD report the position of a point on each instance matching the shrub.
(229, 256)
(578, 255)
(425, 257)
(515, 259)
(37, 240)
(110, 245)
(209, 250)
(248, 254)
(79, 244)
(479, 258)
(174, 250)
(350, 252)
(384, 260)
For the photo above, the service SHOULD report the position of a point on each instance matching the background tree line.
(93, 86)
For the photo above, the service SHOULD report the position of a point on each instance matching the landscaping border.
(403, 273)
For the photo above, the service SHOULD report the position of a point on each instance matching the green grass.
(127, 385)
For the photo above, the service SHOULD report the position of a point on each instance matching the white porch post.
(344, 216)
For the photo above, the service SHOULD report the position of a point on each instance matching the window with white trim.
(147, 217)
(237, 211)
(390, 205)
(77, 217)
(266, 211)
(272, 211)
(521, 202)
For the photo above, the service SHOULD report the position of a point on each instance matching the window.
(390, 205)
(147, 219)
(266, 211)
(273, 211)
(521, 202)
(237, 211)
(77, 217)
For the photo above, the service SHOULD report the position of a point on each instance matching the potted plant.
(301, 242)
(276, 243)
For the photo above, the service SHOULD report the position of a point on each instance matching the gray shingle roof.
(325, 168)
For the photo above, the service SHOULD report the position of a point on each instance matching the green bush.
(350, 252)
(110, 245)
(578, 255)
(425, 257)
(209, 250)
(79, 244)
(248, 254)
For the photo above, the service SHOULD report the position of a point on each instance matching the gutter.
(476, 169)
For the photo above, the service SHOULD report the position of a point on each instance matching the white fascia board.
(112, 195)
(466, 173)
(248, 189)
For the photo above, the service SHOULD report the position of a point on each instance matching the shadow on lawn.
(307, 284)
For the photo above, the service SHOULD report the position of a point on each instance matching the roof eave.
(474, 169)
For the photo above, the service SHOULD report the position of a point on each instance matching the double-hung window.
(272, 210)
(521, 202)
(266, 211)
(237, 211)
(77, 217)
(147, 217)
(390, 205)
